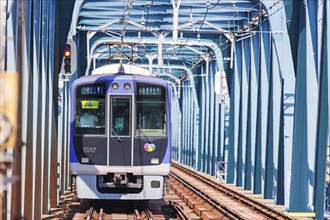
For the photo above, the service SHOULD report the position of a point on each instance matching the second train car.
(120, 145)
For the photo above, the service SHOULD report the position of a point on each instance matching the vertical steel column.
(48, 86)
(206, 143)
(180, 151)
(175, 19)
(45, 105)
(37, 75)
(188, 122)
(305, 118)
(312, 95)
(263, 105)
(190, 127)
(323, 127)
(222, 134)
(244, 111)
(196, 130)
(217, 130)
(184, 124)
(234, 117)
(14, 207)
(269, 151)
(274, 125)
(239, 146)
(249, 181)
(285, 63)
(211, 75)
(201, 153)
(65, 140)
(30, 156)
(177, 125)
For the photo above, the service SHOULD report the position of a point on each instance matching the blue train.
(120, 132)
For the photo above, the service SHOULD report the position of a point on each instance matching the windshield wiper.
(144, 135)
(116, 135)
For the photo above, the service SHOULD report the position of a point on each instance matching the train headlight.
(115, 86)
(127, 86)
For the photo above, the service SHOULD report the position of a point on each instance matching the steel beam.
(252, 113)
(323, 126)
(282, 45)
(305, 118)
(234, 117)
(264, 101)
(246, 57)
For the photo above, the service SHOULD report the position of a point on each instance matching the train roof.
(112, 69)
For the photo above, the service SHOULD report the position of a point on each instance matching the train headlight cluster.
(115, 86)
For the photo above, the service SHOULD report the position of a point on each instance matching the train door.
(120, 131)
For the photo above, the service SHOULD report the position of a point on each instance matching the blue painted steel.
(234, 118)
(323, 127)
(239, 147)
(189, 124)
(263, 108)
(264, 154)
(303, 152)
(223, 135)
(217, 132)
(201, 153)
(269, 163)
(184, 144)
(249, 182)
(274, 127)
(246, 57)
(211, 75)
(286, 67)
(206, 146)
(265, 46)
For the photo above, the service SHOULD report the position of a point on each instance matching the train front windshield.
(151, 110)
(90, 109)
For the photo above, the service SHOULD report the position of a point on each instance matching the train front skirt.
(150, 188)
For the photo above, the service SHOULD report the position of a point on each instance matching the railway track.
(211, 200)
(93, 214)
(170, 207)
(192, 196)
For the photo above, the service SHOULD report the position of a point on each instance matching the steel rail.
(253, 204)
(225, 210)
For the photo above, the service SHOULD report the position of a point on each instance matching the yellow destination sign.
(89, 104)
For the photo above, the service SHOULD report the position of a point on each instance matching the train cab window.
(120, 116)
(151, 110)
(90, 109)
